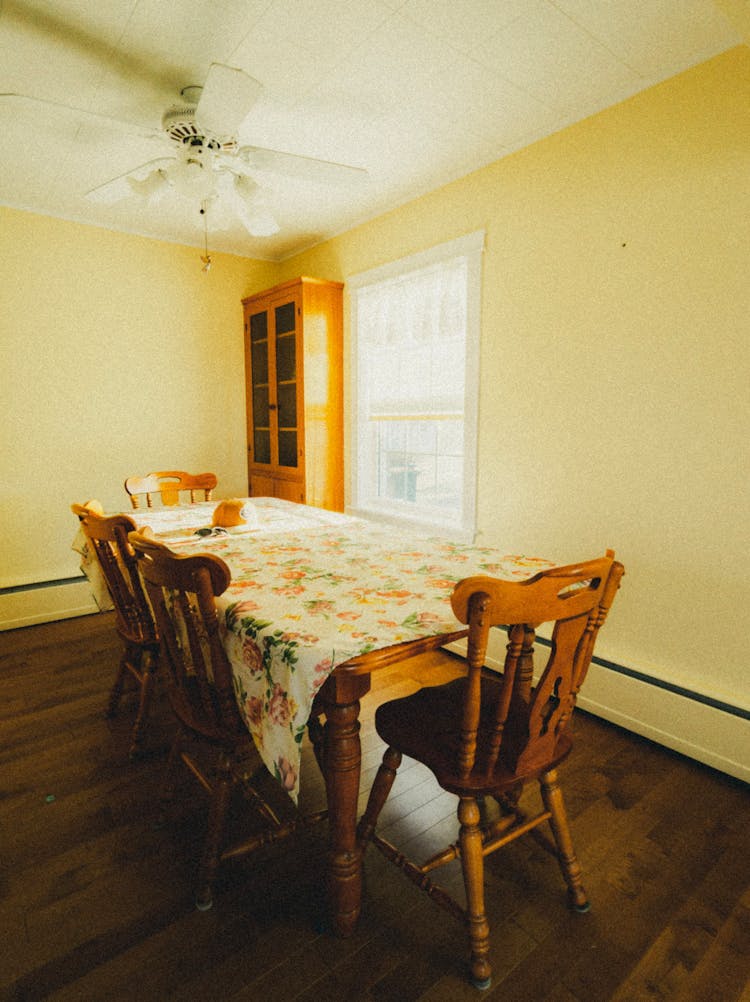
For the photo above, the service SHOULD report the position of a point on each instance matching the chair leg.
(166, 794)
(115, 693)
(216, 820)
(381, 787)
(472, 863)
(147, 666)
(571, 868)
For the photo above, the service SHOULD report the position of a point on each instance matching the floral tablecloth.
(177, 525)
(310, 590)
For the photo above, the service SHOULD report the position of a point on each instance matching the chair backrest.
(182, 591)
(167, 485)
(108, 539)
(522, 728)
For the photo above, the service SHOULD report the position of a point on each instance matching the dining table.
(318, 601)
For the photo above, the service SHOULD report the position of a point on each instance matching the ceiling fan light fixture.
(254, 215)
(246, 190)
(151, 186)
(193, 177)
(259, 222)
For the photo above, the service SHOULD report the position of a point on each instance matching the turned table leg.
(340, 697)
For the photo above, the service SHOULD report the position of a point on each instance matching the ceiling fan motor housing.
(180, 125)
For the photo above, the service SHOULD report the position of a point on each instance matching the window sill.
(421, 526)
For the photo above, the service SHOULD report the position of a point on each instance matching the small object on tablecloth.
(235, 513)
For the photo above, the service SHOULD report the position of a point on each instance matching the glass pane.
(287, 448)
(401, 483)
(450, 471)
(258, 326)
(259, 362)
(285, 318)
(420, 462)
(261, 446)
(286, 361)
(287, 397)
(260, 407)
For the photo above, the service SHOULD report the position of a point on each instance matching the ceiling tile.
(657, 37)
(449, 20)
(397, 60)
(555, 60)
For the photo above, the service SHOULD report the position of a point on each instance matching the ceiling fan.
(204, 161)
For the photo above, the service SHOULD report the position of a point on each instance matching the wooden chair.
(182, 592)
(167, 486)
(487, 734)
(108, 540)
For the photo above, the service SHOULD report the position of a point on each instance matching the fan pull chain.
(206, 259)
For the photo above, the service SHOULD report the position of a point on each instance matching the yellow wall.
(615, 358)
(614, 390)
(117, 356)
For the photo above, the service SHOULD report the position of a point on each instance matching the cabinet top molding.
(303, 280)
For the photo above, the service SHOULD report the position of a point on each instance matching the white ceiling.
(418, 92)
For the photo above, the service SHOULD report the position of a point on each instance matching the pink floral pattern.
(310, 590)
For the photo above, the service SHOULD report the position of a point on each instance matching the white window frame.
(471, 247)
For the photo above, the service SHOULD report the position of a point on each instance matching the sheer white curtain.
(416, 369)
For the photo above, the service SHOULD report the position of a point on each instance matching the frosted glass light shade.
(254, 215)
(150, 186)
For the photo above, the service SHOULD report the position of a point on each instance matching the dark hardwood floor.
(96, 900)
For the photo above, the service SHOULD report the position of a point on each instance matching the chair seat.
(412, 723)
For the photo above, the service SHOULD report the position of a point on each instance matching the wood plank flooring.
(96, 901)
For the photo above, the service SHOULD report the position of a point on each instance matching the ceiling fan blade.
(118, 187)
(21, 100)
(227, 96)
(292, 165)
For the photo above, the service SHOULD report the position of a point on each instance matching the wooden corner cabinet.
(294, 392)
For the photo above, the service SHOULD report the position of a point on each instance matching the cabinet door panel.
(287, 405)
(258, 388)
(285, 318)
(259, 356)
(259, 326)
(261, 487)
(286, 358)
(286, 384)
(288, 448)
(289, 490)
(261, 412)
(262, 445)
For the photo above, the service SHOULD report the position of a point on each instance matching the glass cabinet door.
(286, 384)
(273, 384)
(260, 384)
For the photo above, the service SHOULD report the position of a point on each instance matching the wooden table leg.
(343, 755)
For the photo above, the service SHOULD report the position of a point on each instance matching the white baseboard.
(707, 733)
(29, 606)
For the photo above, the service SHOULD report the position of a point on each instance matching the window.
(415, 367)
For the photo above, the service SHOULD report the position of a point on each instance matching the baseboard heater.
(35, 585)
(698, 725)
(45, 601)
